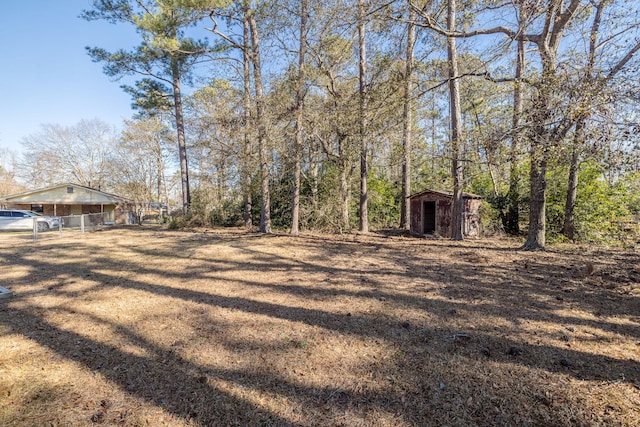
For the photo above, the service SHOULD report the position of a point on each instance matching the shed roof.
(59, 194)
(448, 194)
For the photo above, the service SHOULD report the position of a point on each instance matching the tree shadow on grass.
(182, 387)
(538, 286)
(376, 326)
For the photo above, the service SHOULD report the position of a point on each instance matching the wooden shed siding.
(472, 224)
(443, 207)
(416, 215)
(443, 217)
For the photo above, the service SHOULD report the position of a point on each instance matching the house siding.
(60, 195)
(61, 201)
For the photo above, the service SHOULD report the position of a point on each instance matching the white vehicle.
(16, 219)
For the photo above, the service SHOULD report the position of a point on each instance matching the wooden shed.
(69, 199)
(431, 212)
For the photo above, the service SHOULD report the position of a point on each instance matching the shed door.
(429, 217)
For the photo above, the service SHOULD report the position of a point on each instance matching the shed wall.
(472, 225)
(471, 218)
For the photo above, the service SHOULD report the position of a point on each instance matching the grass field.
(143, 326)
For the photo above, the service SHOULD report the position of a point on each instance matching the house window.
(37, 208)
(69, 189)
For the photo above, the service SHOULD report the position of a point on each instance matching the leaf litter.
(144, 326)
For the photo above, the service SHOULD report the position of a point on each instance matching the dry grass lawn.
(143, 326)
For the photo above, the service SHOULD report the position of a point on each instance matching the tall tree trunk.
(344, 196)
(541, 135)
(539, 140)
(182, 146)
(165, 189)
(512, 216)
(568, 226)
(456, 125)
(313, 174)
(407, 125)
(157, 151)
(536, 237)
(364, 172)
(246, 102)
(221, 185)
(265, 207)
(295, 208)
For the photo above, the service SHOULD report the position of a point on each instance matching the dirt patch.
(224, 327)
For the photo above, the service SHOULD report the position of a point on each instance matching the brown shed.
(431, 213)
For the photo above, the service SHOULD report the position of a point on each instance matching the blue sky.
(46, 75)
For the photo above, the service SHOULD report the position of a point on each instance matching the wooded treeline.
(327, 115)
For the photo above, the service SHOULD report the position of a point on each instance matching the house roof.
(448, 194)
(61, 195)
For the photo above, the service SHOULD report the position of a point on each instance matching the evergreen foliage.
(321, 120)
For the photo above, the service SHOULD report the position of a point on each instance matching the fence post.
(60, 227)
(82, 223)
(35, 228)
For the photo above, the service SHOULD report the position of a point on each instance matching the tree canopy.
(326, 115)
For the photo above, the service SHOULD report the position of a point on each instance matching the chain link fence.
(73, 223)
